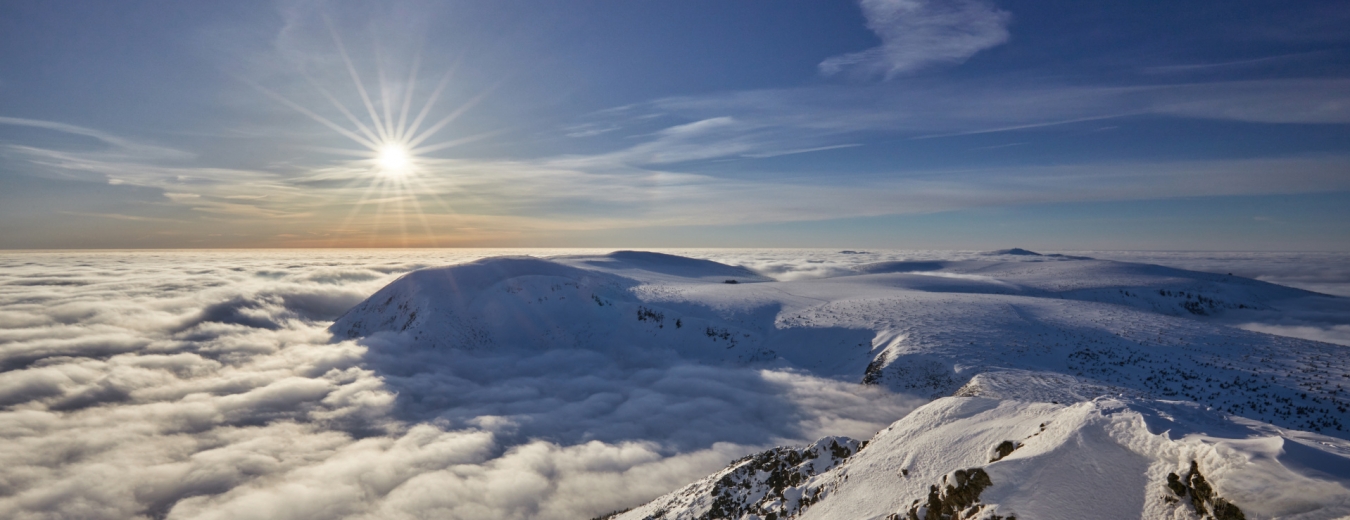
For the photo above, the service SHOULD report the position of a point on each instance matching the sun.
(393, 160)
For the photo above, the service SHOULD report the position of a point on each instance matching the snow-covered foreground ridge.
(1023, 339)
(977, 457)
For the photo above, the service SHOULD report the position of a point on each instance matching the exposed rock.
(774, 484)
(956, 499)
(1004, 449)
(1202, 497)
(1174, 483)
(872, 375)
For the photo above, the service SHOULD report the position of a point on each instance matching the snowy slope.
(924, 327)
(1150, 287)
(1105, 458)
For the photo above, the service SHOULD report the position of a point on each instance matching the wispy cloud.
(702, 139)
(810, 117)
(1306, 101)
(1028, 126)
(918, 33)
(639, 187)
(118, 216)
(763, 155)
(551, 196)
(186, 184)
(117, 145)
(1227, 65)
(588, 130)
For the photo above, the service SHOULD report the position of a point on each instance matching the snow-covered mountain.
(1015, 347)
(980, 457)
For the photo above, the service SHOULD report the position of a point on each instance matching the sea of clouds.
(205, 385)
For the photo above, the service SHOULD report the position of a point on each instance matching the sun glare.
(393, 159)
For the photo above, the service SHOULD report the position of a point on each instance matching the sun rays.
(389, 163)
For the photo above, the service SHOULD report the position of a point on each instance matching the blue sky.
(885, 123)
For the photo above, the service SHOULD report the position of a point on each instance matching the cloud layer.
(204, 385)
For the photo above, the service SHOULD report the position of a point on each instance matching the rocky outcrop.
(772, 485)
(1207, 503)
(956, 499)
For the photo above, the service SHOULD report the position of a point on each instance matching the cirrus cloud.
(918, 33)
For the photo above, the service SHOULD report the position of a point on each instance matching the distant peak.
(647, 256)
(1014, 251)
